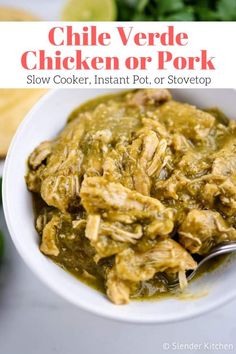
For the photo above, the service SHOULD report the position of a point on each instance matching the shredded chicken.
(98, 194)
(158, 160)
(184, 119)
(40, 154)
(224, 163)
(133, 186)
(92, 227)
(120, 234)
(59, 191)
(180, 143)
(166, 255)
(156, 126)
(117, 290)
(150, 96)
(202, 229)
(48, 245)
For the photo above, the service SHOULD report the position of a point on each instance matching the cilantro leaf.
(141, 5)
(227, 10)
(169, 6)
(186, 14)
(176, 10)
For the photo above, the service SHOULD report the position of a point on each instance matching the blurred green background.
(176, 10)
(129, 10)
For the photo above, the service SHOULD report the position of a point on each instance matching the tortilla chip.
(12, 14)
(14, 105)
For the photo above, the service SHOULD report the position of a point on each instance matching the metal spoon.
(218, 250)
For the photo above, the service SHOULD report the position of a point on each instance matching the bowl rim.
(123, 317)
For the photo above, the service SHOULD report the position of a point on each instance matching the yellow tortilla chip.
(12, 14)
(14, 105)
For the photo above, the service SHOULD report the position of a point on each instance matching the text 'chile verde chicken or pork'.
(135, 185)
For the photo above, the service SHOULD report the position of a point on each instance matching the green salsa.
(136, 185)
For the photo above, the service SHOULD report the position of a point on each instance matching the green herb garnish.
(176, 10)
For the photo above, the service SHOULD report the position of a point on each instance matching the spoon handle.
(217, 251)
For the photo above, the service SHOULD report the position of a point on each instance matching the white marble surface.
(33, 320)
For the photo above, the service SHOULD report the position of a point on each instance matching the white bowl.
(44, 122)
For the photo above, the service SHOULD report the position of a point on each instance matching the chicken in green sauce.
(134, 186)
